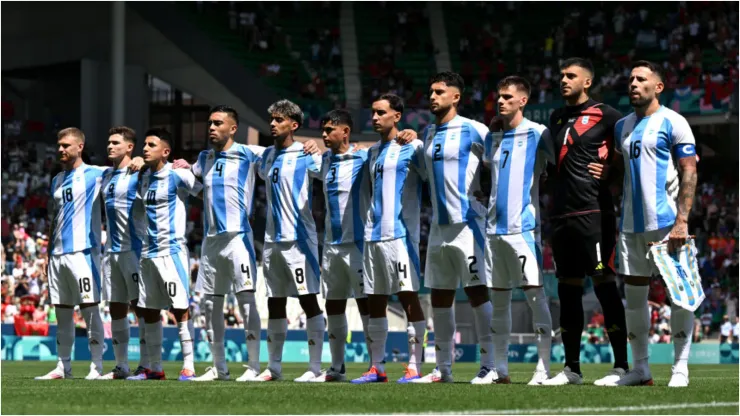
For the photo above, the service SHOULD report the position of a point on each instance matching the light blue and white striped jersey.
(346, 195)
(651, 147)
(396, 172)
(287, 174)
(517, 158)
(453, 153)
(164, 195)
(76, 209)
(228, 185)
(119, 192)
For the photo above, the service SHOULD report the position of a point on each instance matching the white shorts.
(341, 271)
(165, 282)
(227, 262)
(121, 277)
(514, 260)
(291, 269)
(455, 255)
(391, 266)
(74, 278)
(632, 249)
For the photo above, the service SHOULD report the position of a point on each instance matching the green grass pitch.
(713, 390)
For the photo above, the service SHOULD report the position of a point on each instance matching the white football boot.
(307, 377)
(612, 377)
(634, 377)
(212, 374)
(485, 376)
(268, 375)
(117, 373)
(564, 377)
(538, 377)
(57, 373)
(679, 378)
(95, 373)
(330, 376)
(249, 375)
(434, 377)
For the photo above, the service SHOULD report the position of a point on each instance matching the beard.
(640, 101)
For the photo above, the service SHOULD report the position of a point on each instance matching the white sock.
(378, 330)
(483, 315)
(154, 345)
(143, 350)
(277, 330)
(365, 323)
(337, 328)
(95, 334)
(415, 331)
(682, 328)
(65, 336)
(215, 311)
(542, 324)
(444, 337)
(637, 317)
(186, 343)
(252, 327)
(501, 325)
(120, 332)
(315, 328)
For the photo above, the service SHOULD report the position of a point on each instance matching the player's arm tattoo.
(687, 187)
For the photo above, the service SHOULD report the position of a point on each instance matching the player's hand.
(311, 148)
(480, 196)
(672, 184)
(136, 164)
(406, 136)
(678, 236)
(496, 124)
(598, 171)
(180, 164)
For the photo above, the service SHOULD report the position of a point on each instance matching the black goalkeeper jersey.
(583, 134)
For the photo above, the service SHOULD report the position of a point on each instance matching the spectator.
(725, 330)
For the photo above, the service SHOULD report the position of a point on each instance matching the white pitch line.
(552, 410)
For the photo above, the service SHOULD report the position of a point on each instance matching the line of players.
(372, 199)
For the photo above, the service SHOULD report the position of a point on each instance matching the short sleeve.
(478, 133)
(417, 159)
(256, 150)
(313, 167)
(682, 138)
(545, 147)
(188, 181)
(618, 127)
(260, 163)
(200, 163)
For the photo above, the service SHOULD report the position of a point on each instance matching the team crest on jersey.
(520, 143)
(584, 120)
(289, 162)
(453, 137)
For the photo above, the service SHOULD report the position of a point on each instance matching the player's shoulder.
(535, 126)
(415, 144)
(629, 118)
(609, 110)
(473, 126)
(674, 119)
(204, 154)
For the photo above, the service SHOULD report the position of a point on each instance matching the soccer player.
(74, 261)
(391, 252)
(651, 141)
(583, 219)
(164, 283)
(518, 153)
(121, 270)
(453, 147)
(290, 255)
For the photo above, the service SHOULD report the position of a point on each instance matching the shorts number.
(85, 285)
(245, 269)
(473, 261)
(299, 277)
(635, 149)
(135, 277)
(151, 197)
(172, 289)
(220, 169)
(67, 195)
(506, 158)
(401, 268)
(333, 174)
(437, 150)
(275, 175)
(379, 170)
(523, 259)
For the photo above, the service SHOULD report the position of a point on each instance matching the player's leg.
(302, 259)
(505, 271)
(89, 281)
(143, 348)
(63, 295)
(123, 275)
(277, 279)
(152, 299)
(682, 328)
(177, 284)
(336, 288)
(635, 270)
(245, 289)
(416, 324)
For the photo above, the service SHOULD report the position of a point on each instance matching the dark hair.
(161, 134)
(338, 117)
(72, 131)
(579, 62)
(452, 79)
(395, 102)
(225, 109)
(127, 133)
(649, 65)
(288, 109)
(520, 83)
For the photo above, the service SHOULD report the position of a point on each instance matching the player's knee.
(362, 306)
(310, 305)
(442, 298)
(477, 295)
(118, 310)
(336, 306)
(636, 280)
